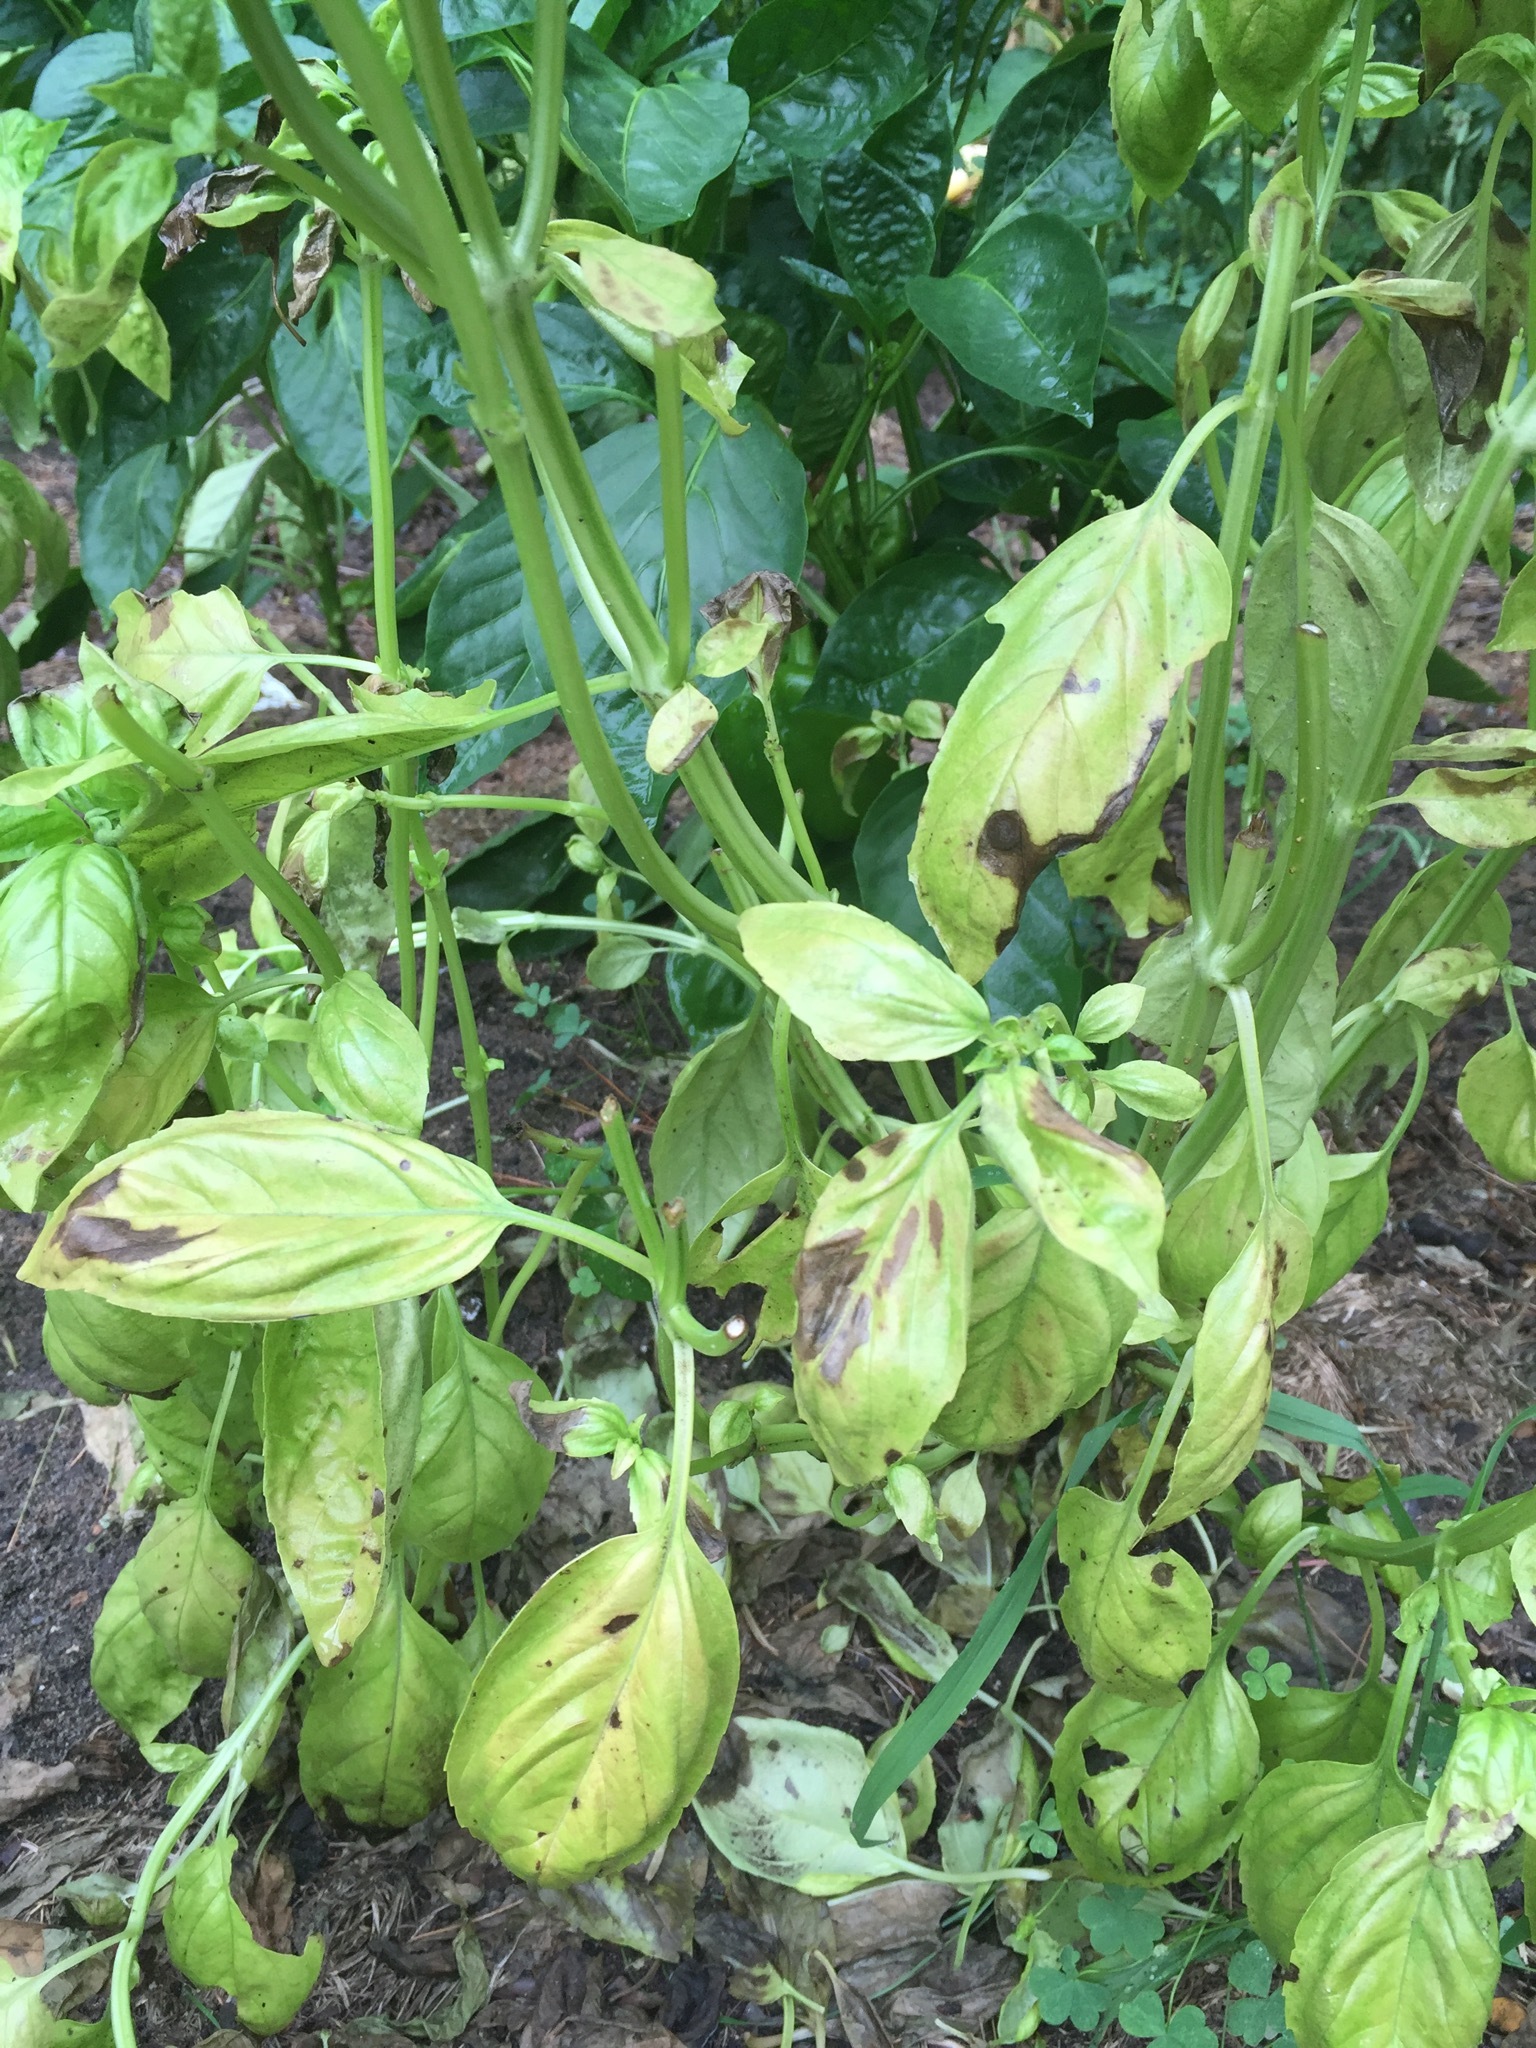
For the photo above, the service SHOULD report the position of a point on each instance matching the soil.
(1428, 1344)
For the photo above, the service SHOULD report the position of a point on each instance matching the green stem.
(683, 1383)
(674, 507)
(1237, 1620)
(1253, 1084)
(627, 1167)
(1173, 1401)
(426, 1020)
(858, 426)
(224, 1759)
(399, 776)
(476, 1070)
(196, 787)
(546, 100)
(773, 750)
(211, 1451)
(1207, 782)
(569, 1196)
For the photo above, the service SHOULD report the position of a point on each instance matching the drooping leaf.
(120, 1347)
(366, 1058)
(1151, 1794)
(161, 1067)
(883, 1285)
(325, 1474)
(69, 958)
(190, 1577)
(1496, 1096)
(1488, 1786)
(1298, 1826)
(1141, 1623)
(720, 1130)
(1048, 741)
(911, 1641)
(479, 1476)
(377, 1725)
(997, 1789)
(132, 1672)
(866, 990)
(199, 650)
(1130, 865)
(598, 1713)
(778, 1803)
(266, 1214)
(211, 1942)
(1161, 86)
(1045, 1331)
(1395, 1949)
(1263, 55)
(1095, 1197)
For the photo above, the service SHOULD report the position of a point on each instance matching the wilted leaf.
(191, 1577)
(1488, 1786)
(210, 1941)
(1141, 1623)
(200, 650)
(132, 1673)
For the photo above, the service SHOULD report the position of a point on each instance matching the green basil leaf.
(883, 1285)
(595, 1718)
(121, 1347)
(366, 1058)
(1263, 55)
(1141, 1623)
(1299, 1825)
(1496, 1096)
(161, 1067)
(325, 1474)
(1024, 311)
(1096, 1198)
(264, 1214)
(1151, 1794)
(1051, 735)
(1488, 1786)
(1045, 1332)
(377, 1725)
(132, 1672)
(720, 1130)
(866, 990)
(1161, 86)
(70, 945)
(211, 1942)
(1396, 1948)
(199, 650)
(479, 1476)
(191, 1578)
(778, 1806)
(1310, 1724)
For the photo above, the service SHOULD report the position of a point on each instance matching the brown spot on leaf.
(1162, 1573)
(894, 1262)
(884, 1147)
(348, 1588)
(378, 1500)
(617, 1623)
(615, 1719)
(116, 1241)
(1072, 684)
(855, 1170)
(936, 1226)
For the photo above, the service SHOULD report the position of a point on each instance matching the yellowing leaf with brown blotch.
(883, 1285)
(1053, 733)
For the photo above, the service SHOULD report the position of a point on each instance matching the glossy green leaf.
(1151, 1794)
(821, 76)
(163, 1063)
(1141, 1623)
(325, 1474)
(1262, 55)
(1045, 1332)
(654, 146)
(191, 1577)
(883, 1286)
(316, 378)
(1053, 149)
(778, 1807)
(1233, 1352)
(211, 1942)
(920, 630)
(1047, 743)
(366, 1058)
(598, 1713)
(1024, 310)
(267, 1214)
(1161, 85)
(1299, 1825)
(475, 632)
(1395, 1950)
(129, 518)
(69, 958)
(1361, 596)
(132, 1672)
(1096, 1198)
(377, 1725)
(479, 1476)
(866, 990)
(720, 1130)
(881, 201)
